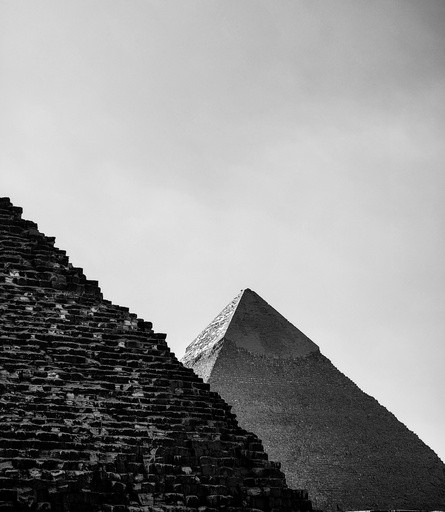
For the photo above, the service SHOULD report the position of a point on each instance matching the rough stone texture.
(96, 413)
(332, 438)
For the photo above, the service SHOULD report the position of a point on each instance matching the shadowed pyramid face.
(331, 437)
(96, 413)
(259, 328)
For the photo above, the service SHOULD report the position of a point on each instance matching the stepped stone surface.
(96, 413)
(331, 438)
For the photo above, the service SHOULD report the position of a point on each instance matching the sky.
(181, 151)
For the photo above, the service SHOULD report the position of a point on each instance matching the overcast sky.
(183, 150)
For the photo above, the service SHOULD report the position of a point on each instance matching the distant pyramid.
(96, 413)
(331, 438)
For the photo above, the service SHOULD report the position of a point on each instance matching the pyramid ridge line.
(213, 332)
(87, 287)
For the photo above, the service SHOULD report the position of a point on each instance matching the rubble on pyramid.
(331, 438)
(96, 413)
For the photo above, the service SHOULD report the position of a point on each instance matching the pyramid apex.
(251, 324)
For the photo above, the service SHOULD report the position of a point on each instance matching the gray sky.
(183, 150)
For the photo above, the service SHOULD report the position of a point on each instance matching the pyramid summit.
(331, 437)
(252, 324)
(96, 412)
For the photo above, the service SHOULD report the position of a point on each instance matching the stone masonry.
(96, 413)
(331, 438)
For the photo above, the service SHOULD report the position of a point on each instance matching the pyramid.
(331, 438)
(97, 414)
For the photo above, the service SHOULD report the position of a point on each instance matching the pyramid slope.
(97, 414)
(330, 437)
(202, 352)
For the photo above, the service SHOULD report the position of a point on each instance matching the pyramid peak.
(253, 325)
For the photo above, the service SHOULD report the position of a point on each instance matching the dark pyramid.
(331, 438)
(96, 413)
